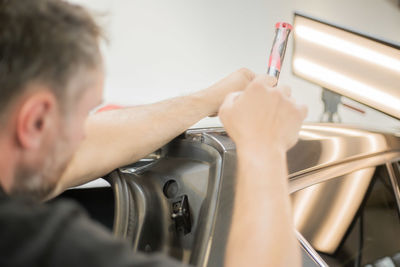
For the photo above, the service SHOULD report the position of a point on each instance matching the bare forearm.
(262, 231)
(120, 137)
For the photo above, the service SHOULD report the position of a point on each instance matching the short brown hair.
(44, 41)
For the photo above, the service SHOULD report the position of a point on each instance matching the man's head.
(51, 76)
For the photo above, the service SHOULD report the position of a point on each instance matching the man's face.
(61, 143)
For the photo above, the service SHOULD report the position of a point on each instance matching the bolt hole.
(170, 189)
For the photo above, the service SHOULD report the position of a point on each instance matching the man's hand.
(263, 114)
(264, 122)
(215, 95)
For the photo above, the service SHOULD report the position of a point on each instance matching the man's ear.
(35, 117)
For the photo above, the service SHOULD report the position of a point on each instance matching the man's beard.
(36, 184)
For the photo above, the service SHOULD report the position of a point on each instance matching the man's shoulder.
(32, 229)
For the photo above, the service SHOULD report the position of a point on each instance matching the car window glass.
(352, 220)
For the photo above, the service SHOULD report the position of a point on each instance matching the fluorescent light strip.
(347, 84)
(350, 132)
(346, 47)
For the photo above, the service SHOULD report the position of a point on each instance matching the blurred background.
(162, 49)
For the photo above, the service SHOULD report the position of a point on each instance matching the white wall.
(166, 48)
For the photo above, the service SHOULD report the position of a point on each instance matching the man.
(51, 76)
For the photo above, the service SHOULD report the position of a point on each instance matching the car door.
(353, 219)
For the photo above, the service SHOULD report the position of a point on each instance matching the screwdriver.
(282, 32)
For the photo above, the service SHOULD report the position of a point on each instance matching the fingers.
(261, 81)
(286, 90)
(303, 110)
(234, 82)
(270, 81)
(300, 109)
(263, 109)
(266, 82)
(247, 74)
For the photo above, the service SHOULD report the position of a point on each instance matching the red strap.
(109, 107)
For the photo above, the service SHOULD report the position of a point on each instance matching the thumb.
(271, 81)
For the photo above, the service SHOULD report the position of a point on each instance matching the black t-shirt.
(61, 234)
